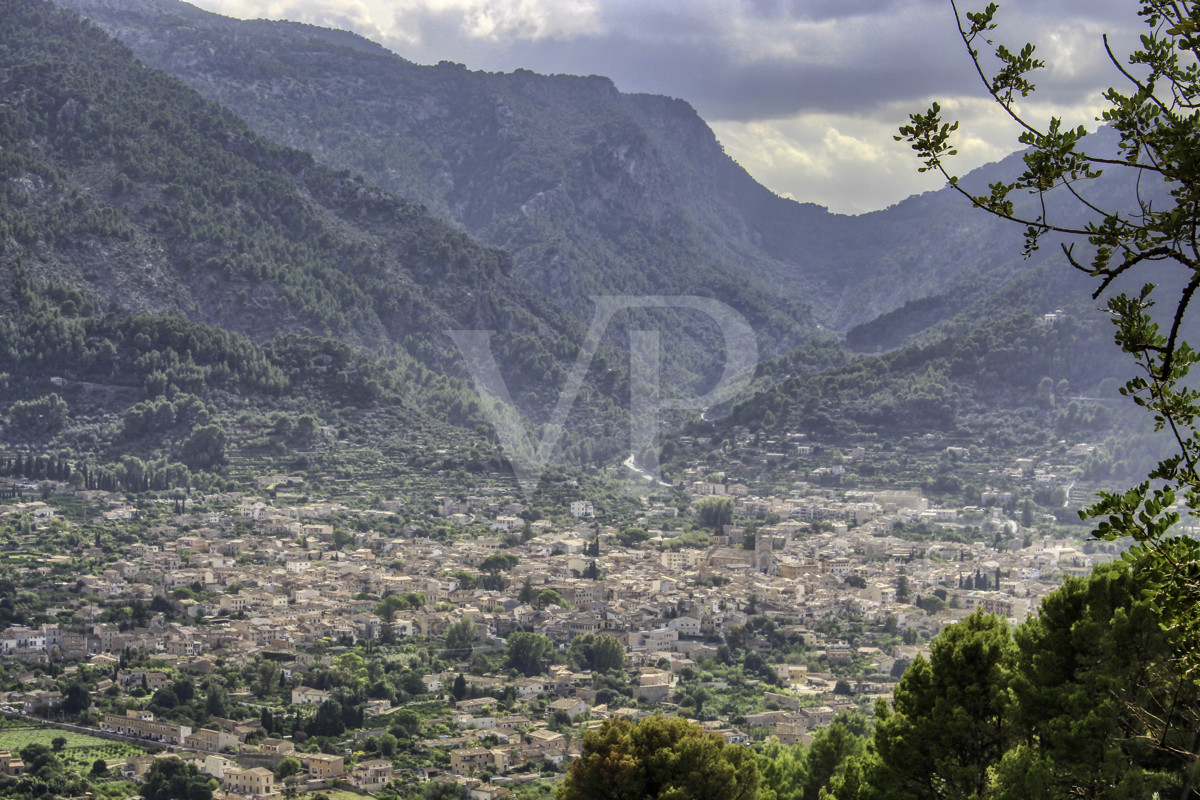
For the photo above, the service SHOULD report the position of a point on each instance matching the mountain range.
(305, 190)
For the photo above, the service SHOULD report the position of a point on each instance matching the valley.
(263, 529)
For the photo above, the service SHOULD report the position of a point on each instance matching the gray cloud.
(772, 58)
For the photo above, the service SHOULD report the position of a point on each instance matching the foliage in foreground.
(659, 759)
(1155, 119)
(1055, 709)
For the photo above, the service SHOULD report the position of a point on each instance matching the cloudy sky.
(805, 94)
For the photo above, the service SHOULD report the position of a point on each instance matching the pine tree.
(951, 720)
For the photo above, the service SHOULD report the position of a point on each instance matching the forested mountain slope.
(591, 190)
(129, 194)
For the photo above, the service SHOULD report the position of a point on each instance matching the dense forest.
(1082, 700)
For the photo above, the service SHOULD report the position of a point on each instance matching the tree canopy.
(172, 779)
(597, 652)
(714, 512)
(528, 653)
(659, 759)
(805, 773)
(460, 637)
(1085, 667)
(950, 718)
(1080, 701)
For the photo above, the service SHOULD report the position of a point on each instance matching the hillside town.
(819, 598)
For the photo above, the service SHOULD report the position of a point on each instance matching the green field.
(80, 752)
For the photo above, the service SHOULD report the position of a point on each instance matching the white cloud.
(852, 164)
(811, 158)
